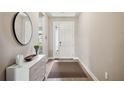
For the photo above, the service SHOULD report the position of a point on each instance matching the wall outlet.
(106, 76)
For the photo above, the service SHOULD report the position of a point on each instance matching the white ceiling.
(63, 14)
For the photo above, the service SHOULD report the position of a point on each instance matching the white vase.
(19, 59)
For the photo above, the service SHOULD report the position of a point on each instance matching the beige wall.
(101, 44)
(9, 47)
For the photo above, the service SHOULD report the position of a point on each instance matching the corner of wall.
(87, 69)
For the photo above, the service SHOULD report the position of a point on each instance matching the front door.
(63, 39)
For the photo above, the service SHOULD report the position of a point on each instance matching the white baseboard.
(50, 57)
(63, 57)
(88, 70)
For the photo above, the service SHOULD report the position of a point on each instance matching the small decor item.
(36, 49)
(29, 58)
(19, 59)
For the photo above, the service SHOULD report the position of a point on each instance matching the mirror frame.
(14, 30)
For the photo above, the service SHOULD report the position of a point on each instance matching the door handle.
(60, 43)
(57, 51)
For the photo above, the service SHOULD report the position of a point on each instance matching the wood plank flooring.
(65, 70)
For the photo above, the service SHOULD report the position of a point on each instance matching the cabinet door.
(37, 71)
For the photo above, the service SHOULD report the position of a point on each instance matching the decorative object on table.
(30, 57)
(19, 59)
(36, 48)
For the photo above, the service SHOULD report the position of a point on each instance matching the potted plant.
(36, 47)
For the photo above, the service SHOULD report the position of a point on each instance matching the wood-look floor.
(65, 70)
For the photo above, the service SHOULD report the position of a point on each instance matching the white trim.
(50, 57)
(76, 14)
(88, 70)
(62, 57)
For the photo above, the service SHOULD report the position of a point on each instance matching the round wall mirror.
(22, 27)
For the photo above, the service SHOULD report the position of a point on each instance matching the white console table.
(29, 71)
